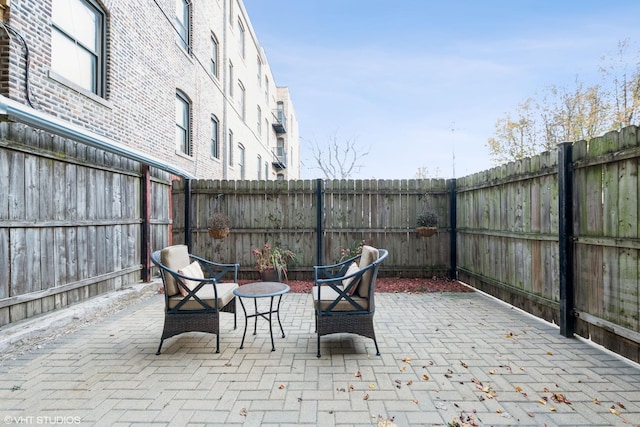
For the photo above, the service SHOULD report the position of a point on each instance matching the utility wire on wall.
(27, 89)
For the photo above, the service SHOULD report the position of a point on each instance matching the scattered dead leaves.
(385, 422)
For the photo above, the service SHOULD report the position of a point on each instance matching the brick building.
(183, 82)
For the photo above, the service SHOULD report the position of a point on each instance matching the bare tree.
(423, 172)
(565, 114)
(338, 159)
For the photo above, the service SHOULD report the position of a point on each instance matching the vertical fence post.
(453, 250)
(319, 211)
(146, 224)
(187, 213)
(565, 238)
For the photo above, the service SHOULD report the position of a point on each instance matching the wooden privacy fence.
(557, 235)
(286, 213)
(73, 221)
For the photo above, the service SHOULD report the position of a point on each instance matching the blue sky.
(418, 82)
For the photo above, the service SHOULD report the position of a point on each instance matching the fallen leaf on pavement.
(243, 412)
(560, 398)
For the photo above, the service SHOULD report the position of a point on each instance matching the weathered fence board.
(71, 217)
(380, 212)
(69, 222)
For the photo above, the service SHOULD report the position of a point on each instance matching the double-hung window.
(241, 37)
(241, 101)
(215, 147)
(259, 121)
(183, 123)
(259, 167)
(78, 43)
(183, 16)
(241, 160)
(214, 56)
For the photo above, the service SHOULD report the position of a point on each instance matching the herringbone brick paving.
(446, 358)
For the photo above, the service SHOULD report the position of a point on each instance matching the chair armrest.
(331, 271)
(217, 270)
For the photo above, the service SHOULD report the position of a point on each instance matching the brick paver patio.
(446, 358)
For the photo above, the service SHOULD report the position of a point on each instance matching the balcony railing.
(279, 158)
(279, 121)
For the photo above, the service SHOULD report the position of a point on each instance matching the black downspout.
(319, 210)
(565, 238)
(453, 238)
(187, 213)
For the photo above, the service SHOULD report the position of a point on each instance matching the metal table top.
(261, 289)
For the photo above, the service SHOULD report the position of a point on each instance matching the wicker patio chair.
(193, 302)
(343, 295)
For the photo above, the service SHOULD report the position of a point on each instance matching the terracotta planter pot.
(270, 275)
(426, 231)
(218, 233)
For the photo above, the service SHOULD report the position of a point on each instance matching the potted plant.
(271, 262)
(218, 225)
(427, 223)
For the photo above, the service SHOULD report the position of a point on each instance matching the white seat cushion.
(329, 295)
(369, 256)
(193, 270)
(206, 293)
(175, 258)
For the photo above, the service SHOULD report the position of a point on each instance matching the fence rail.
(555, 234)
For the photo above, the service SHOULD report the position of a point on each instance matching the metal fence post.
(565, 238)
(453, 250)
(187, 213)
(319, 211)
